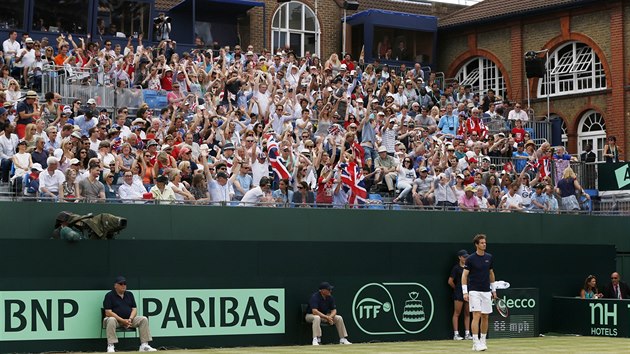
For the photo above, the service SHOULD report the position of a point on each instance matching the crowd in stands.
(254, 126)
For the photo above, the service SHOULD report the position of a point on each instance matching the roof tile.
(494, 9)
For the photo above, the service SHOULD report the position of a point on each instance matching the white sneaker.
(146, 348)
(482, 346)
(457, 337)
(110, 348)
(468, 337)
(344, 341)
(475, 347)
(315, 341)
(319, 339)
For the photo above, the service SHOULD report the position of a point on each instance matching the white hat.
(343, 67)
(360, 100)
(138, 121)
(91, 101)
(37, 166)
(375, 100)
(74, 161)
(167, 68)
(28, 40)
(76, 135)
(249, 52)
(382, 149)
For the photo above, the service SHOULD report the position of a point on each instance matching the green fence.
(255, 267)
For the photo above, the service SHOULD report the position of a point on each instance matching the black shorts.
(458, 296)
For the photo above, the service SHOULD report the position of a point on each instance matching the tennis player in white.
(479, 289)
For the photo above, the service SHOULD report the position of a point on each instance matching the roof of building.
(489, 10)
(165, 5)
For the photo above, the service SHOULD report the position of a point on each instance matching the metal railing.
(609, 208)
(83, 84)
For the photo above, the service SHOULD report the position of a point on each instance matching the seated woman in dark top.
(304, 197)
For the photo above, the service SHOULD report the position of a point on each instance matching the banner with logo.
(592, 317)
(521, 317)
(393, 308)
(41, 315)
(613, 176)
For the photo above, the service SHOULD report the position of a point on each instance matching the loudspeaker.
(535, 67)
(350, 4)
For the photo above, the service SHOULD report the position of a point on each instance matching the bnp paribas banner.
(44, 315)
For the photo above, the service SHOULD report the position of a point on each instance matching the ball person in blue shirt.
(479, 289)
(322, 307)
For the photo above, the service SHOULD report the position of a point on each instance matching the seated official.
(322, 307)
(616, 289)
(120, 311)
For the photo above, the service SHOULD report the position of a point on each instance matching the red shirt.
(167, 83)
(324, 191)
(518, 134)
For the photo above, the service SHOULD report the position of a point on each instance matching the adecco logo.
(519, 303)
(392, 308)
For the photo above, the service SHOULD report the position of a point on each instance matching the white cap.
(28, 40)
(343, 67)
(91, 101)
(37, 166)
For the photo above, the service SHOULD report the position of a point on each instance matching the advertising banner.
(592, 317)
(521, 319)
(41, 315)
(613, 176)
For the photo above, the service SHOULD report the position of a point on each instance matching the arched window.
(295, 24)
(482, 74)
(592, 130)
(573, 68)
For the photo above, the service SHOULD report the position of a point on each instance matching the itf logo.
(392, 308)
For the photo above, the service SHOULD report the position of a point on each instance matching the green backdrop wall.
(178, 247)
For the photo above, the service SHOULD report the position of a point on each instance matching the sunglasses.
(122, 283)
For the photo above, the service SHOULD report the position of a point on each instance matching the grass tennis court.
(548, 344)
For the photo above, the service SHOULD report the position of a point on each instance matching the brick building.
(589, 54)
(329, 14)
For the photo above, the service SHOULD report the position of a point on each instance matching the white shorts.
(480, 301)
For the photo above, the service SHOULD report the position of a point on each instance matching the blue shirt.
(519, 164)
(121, 306)
(318, 302)
(85, 124)
(246, 183)
(479, 271)
(449, 124)
(542, 199)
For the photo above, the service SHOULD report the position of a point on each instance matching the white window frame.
(284, 27)
(573, 68)
(482, 74)
(586, 134)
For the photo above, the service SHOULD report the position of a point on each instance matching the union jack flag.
(544, 166)
(353, 183)
(276, 161)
